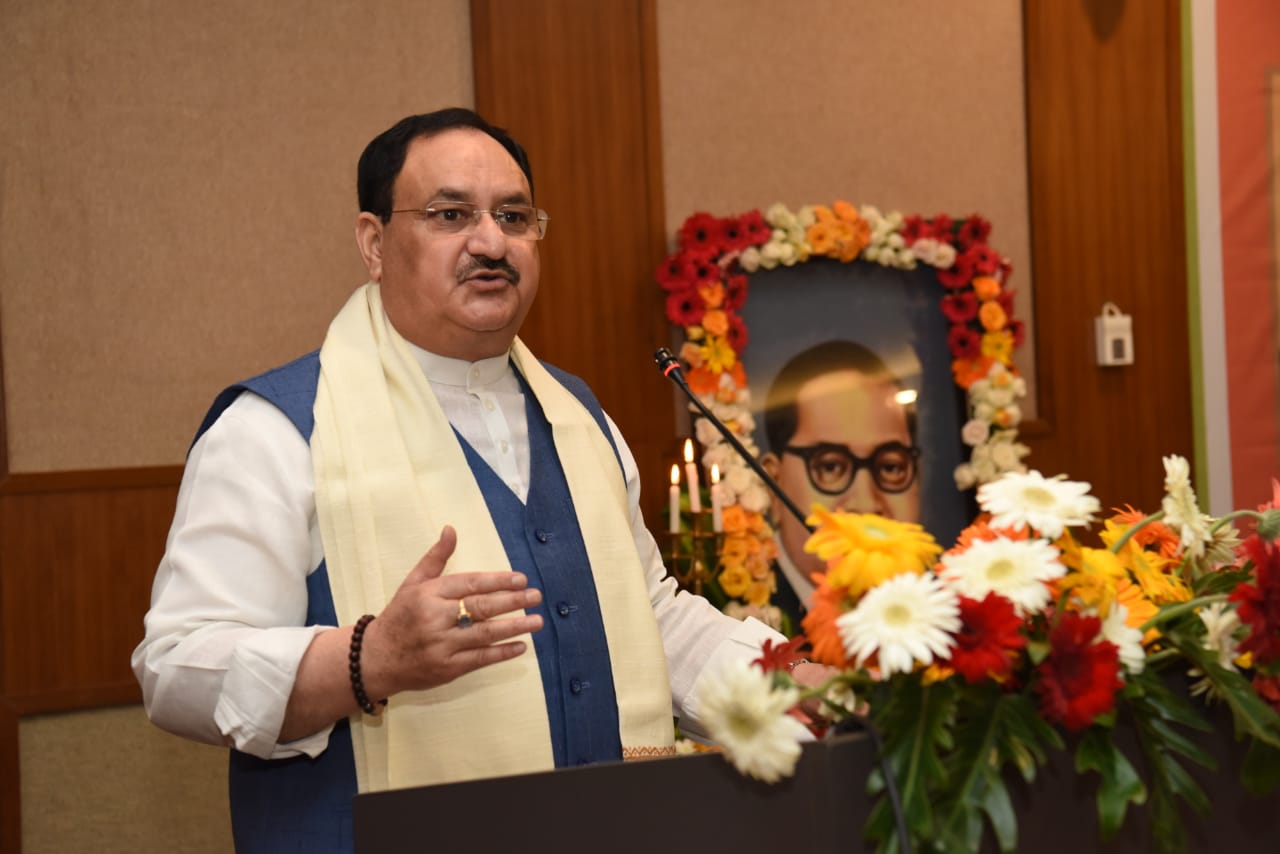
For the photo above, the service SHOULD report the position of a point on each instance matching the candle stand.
(692, 554)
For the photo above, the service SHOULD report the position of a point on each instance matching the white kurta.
(224, 635)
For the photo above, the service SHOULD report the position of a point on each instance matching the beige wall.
(915, 105)
(177, 193)
(177, 187)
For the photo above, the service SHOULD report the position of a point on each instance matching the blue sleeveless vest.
(303, 804)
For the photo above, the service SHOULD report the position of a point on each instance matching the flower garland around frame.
(706, 282)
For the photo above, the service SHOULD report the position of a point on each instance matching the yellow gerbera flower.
(998, 345)
(717, 355)
(1096, 582)
(863, 549)
(734, 580)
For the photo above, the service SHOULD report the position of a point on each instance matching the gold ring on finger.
(464, 616)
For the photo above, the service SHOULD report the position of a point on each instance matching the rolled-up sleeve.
(225, 634)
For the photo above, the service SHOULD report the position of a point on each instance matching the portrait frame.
(951, 290)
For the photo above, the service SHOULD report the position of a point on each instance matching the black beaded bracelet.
(357, 682)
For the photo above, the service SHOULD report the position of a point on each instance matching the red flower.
(960, 307)
(755, 229)
(735, 292)
(780, 657)
(701, 231)
(1259, 604)
(685, 308)
(914, 228)
(1268, 688)
(1018, 330)
(958, 274)
(941, 227)
(973, 230)
(963, 341)
(1005, 298)
(986, 261)
(737, 334)
(989, 637)
(1005, 271)
(1080, 678)
(677, 272)
(732, 235)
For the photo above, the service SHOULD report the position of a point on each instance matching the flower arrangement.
(1022, 640)
(706, 281)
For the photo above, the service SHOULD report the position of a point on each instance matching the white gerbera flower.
(909, 618)
(1029, 499)
(748, 718)
(1016, 569)
(1180, 508)
(1220, 624)
(1126, 638)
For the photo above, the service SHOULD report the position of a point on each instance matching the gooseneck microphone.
(670, 367)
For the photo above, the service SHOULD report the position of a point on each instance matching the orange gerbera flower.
(735, 520)
(712, 294)
(702, 380)
(716, 322)
(986, 287)
(845, 211)
(820, 624)
(822, 237)
(969, 371)
(1156, 534)
(991, 315)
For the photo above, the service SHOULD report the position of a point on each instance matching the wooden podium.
(702, 805)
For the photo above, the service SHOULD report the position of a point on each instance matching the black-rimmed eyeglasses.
(832, 468)
(448, 218)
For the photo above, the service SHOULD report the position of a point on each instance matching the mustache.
(489, 265)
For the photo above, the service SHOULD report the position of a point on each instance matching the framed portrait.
(898, 413)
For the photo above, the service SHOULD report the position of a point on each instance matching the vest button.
(576, 686)
(541, 535)
(563, 609)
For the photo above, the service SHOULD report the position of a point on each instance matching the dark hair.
(780, 411)
(383, 157)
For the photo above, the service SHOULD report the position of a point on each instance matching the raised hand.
(419, 642)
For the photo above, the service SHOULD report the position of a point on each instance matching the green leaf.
(1120, 784)
(914, 722)
(1250, 712)
(1260, 772)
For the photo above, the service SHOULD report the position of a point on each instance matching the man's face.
(458, 295)
(850, 410)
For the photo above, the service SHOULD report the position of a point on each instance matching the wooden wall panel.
(576, 82)
(1105, 150)
(79, 553)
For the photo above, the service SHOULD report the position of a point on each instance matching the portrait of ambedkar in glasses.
(840, 427)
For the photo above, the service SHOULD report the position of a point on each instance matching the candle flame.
(688, 450)
(715, 473)
(675, 474)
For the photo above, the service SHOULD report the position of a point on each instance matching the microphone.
(670, 367)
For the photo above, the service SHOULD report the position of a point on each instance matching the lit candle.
(674, 494)
(691, 474)
(717, 514)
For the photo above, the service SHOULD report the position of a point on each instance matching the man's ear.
(770, 463)
(369, 239)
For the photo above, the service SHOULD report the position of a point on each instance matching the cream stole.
(390, 474)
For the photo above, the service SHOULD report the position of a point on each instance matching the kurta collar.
(460, 372)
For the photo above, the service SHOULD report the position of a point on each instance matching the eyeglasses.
(832, 468)
(447, 218)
